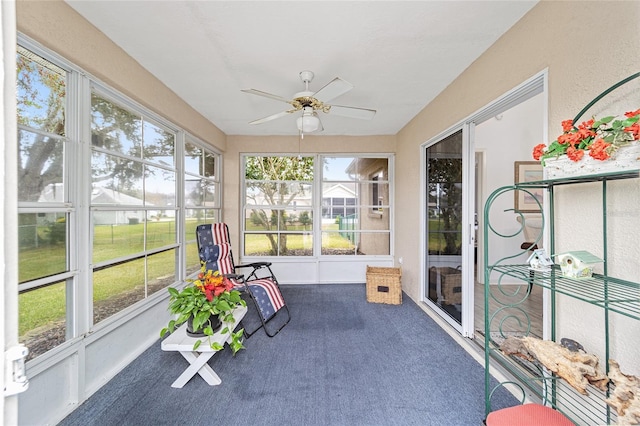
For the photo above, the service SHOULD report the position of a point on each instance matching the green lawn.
(437, 242)
(112, 242)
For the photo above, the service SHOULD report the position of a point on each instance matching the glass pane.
(160, 186)
(348, 242)
(210, 193)
(344, 223)
(260, 220)
(192, 159)
(117, 234)
(378, 219)
(339, 243)
(159, 144)
(443, 224)
(339, 168)
(260, 244)
(340, 194)
(373, 169)
(193, 259)
(114, 128)
(193, 191)
(296, 244)
(278, 193)
(299, 220)
(40, 93)
(199, 192)
(279, 168)
(376, 194)
(42, 329)
(40, 168)
(42, 241)
(195, 217)
(116, 181)
(161, 228)
(161, 271)
(374, 244)
(209, 165)
(117, 287)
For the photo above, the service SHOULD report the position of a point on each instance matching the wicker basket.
(383, 285)
(450, 280)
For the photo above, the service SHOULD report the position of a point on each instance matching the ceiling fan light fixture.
(307, 122)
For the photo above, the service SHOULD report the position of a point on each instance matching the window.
(133, 206)
(357, 187)
(45, 209)
(201, 195)
(279, 206)
(99, 233)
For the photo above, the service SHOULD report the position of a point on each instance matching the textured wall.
(586, 47)
(561, 36)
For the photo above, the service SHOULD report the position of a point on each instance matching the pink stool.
(527, 415)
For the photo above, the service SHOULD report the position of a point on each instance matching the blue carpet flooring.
(340, 361)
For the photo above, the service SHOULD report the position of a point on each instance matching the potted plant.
(601, 138)
(206, 305)
(594, 146)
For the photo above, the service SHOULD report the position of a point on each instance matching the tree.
(305, 219)
(40, 101)
(445, 184)
(40, 105)
(276, 182)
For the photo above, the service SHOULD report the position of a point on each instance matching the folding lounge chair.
(259, 282)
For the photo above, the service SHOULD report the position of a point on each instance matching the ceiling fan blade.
(333, 89)
(352, 112)
(266, 95)
(271, 117)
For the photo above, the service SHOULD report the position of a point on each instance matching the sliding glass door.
(444, 226)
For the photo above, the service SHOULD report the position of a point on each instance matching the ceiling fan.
(311, 102)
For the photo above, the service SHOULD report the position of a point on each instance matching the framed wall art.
(528, 171)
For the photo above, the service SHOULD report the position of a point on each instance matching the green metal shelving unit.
(608, 293)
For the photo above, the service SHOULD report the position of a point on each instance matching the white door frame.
(9, 212)
(529, 88)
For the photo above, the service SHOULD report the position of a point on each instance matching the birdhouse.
(577, 264)
(540, 261)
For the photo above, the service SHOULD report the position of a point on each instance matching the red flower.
(538, 151)
(569, 139)
(586, 124)
(599, 150)
(575, 154)
(567, 125)
(208, 294)
(632, 113)
(634, 129)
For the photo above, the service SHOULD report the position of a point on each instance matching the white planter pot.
(625, 158)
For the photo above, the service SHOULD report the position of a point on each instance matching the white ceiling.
(398, 55)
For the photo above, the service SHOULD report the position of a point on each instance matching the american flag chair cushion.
(215, 251)
(264, 290)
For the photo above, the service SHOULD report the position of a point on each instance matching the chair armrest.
(254, 265)
(234, 276)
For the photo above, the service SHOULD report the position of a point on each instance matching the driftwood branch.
(578, 368)
(626, 396)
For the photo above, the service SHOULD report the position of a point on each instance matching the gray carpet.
(340, 361)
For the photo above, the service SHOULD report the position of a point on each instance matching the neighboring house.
(339, 200)
(105, 197)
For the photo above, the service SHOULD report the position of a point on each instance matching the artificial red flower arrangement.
(211, 295)
(600, 138)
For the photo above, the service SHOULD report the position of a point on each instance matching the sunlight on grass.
(30, 307)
